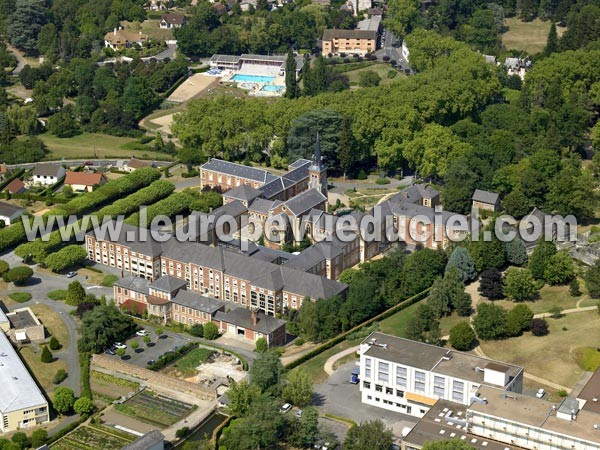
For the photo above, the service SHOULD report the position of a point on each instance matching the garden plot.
(155, 409)
(110, 388)
(94, 437)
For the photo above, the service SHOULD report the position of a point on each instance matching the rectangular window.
(367, 384)
(389, 390)
(401, 377)
(384, 372)
(439, 386)
(379, 388)
(367, 367)
(419, 381)
(458, 391)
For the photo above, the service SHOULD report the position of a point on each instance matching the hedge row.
(38, 198)
(66, 257)
(174, 204)
(169, 357)
(15, 234)
(341, 337)
(84, 364)
(39, 249)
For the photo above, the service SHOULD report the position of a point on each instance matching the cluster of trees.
(66, 403)
(493, 322)
(376, 286)
(103, 326)
(20, 440)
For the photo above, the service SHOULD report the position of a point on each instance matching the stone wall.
(152, 378)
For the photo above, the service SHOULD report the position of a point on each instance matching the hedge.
(169, 357)
(38, 198)
(176, 203)
(66, 257)
(341, 337)
(84, 364)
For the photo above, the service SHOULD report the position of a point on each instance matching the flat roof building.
(22, 404)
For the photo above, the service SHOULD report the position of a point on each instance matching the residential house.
(84, 181)
(10, 213)
(486, 201)
(336, 41)
(48, 174)
(22, 403)
(16, 186)
(134, 164)
(169, 21)
(409, 377)
(220, 9)
(251, 325)
(120, 39)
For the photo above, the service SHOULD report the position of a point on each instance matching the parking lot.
(341, 398)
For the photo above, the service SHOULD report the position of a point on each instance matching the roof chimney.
(114, 32)
(254, 317)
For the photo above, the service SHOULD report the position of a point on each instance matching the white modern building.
(409, 377)
(22, 404)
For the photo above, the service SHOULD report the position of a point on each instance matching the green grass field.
(187, 364)
(380, 69)
(93, 145)
(530, 37)
(315, 365)
(396, 324)
(20, 297)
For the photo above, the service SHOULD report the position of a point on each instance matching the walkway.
(568, 311)
(328, 367)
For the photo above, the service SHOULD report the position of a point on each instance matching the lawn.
(380, 69)
(53, 323)
(187, 364)
(57, 294)
(20, 297)
(555, 356)
(448, 322)
(94, 145)
(110, 388)
(315, 365)
(588, 358)
(43, 372)
(530, 37)
(396, 324)
(109, 280)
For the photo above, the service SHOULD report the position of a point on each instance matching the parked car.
(150, 362)
(119, 345)
(71, 274)
(109, 351)
(540, 393)
(285, 408)
(142, 333)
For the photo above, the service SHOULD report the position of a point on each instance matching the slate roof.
(305, 201)
(168, 283)
(148, 440)
(238, 170)
(242, 317)
(134, 283)
(417, 192)
(298, 163)
(330, 34)
(243, 193)
(129, 236)
(263, 206)
(175, 19)
(491, 198)
(198, 302)
(48, 170)
(9, 210)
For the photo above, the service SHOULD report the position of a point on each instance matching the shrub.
(20, 439)
(83, 406)
(20, 297)
(382, 181)
(46, 356)
(169, 357)
(299, 341)
(57, 294)
(261, 345)
(211, 331)
(574, 288)
(555, 312)
(64, 399)
(4, 267)
(196, 330)
(562, 393)
(19, 275)
(539, 327)
(60, 376)
(462, 336)
(39, 438)
(362, 175)
(182, 432)
(54, 344)
(69, 256)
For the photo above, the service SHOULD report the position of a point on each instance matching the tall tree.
(559, 269)
(291, 83)
(265, 372)
(369, 436)
(592, 280)
(401, 16)
(299, 389)
(540, 257)
(461, 259)
(552, 42)
(516, 253)
(25, 23)
(519, 284)
(490, 322)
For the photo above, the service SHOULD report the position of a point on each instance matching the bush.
(169, 357)
(196, 330)
(39, 438)
(19, 275)
(54, 344)
(539, 327)
(4, 267)
(46, 356)
(562, 393)
(362, 175)
(60, 376)
(20, 297)
(262, 345)
(462, 336)
(555, 312)
(299, 341)
(382, 181)
(20, 439)
(69, 256)
(182, 432)
(211, 332)
(83, 406)
(574, 288)
(64, 399)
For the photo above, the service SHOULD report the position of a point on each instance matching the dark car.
(150, 362)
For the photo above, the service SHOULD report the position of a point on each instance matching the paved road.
(169, 52)
(391, 48)
(20, 60)
(340, 187)
(74, 162)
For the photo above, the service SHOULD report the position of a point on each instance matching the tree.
(196, 330)
(461, 259)
(25, 24)
(83, 406)
(75, 293)
(462, 336)
(369, 436)
(490, 284)
(539, 327)
(552, 42)
(516, 253)
(54, 344)
(518, 320)
(540, 257)
(401, 16)
(120, 352)
(67, 191)
(190, 157)
(64, 124)
(347, 152)
(46, 356)
(240, 396)
(39, 437)
(448, 294)
(299, 389)
(207, 201)
(559, 268)
(19, 275)
(592, 280)
(211, 332)
(4, 267)
(574, 289)
(490, 322)
(305, 432)
(291, 82)
(262, 345)
(64, 399)
(368, 78)
(519, 284)
(516, 203)
(266, 370)
(138, 97)
(20, 439)
(68, 256)
(135, 345)
(103, 326)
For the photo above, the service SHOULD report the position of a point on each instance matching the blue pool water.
(252, 78)
(272, 88)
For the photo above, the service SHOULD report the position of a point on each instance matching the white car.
(142, 333)
(540, 393)
(120, 345)
(285, 408)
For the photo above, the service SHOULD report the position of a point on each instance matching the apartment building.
(409, 377)
(337, 41)
(22, 403)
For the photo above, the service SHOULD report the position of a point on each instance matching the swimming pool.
(252, 78)
(272, 88)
